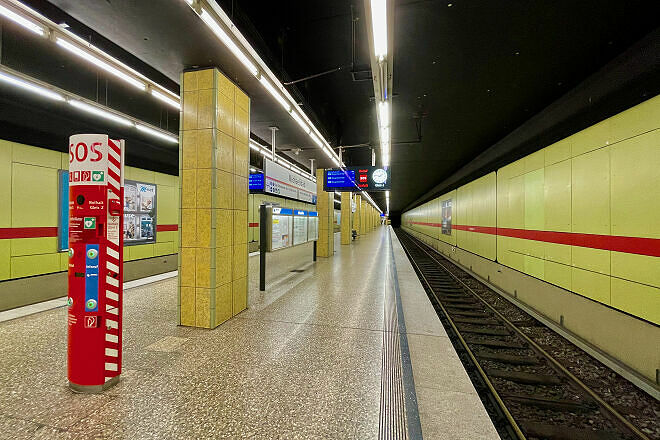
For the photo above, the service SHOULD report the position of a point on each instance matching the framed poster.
(139, 212)
(313, 226)
(446, 217)
(281, 229)
(299, 227)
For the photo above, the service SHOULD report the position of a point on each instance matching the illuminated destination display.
(256, 182)
(357, 178)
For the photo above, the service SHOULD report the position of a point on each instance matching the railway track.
(528, 392)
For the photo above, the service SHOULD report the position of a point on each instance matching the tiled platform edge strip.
(392, 423)
(410, 396)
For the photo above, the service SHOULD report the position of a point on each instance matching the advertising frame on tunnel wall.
(139, 215)
(446, 208)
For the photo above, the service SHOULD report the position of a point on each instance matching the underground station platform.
(329, 219)
(347, 347)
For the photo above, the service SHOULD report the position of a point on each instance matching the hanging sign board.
(357, 179)
(285, 183)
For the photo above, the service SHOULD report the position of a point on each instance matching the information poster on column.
(282, 228)
(299, 227)
(313, 226)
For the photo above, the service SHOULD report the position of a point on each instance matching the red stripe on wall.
(166, 228)
(617, 243)
(253, 225)
(6, 233)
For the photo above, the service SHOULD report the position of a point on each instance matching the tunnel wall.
(579, 218)
(32, 269)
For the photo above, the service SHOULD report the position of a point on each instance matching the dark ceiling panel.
(466, 73)
(170, 37)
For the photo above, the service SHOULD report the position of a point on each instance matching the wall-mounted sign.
(139, 212)
(256, 182)
(285, 183)
(357, 178)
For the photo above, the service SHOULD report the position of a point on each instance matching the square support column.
(325, 205)
(346, 224)
(363, 217)
(357, 214)
(213, 168)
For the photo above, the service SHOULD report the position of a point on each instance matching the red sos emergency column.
(96, 192)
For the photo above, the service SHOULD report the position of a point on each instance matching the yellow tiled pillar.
(346, 226)
(325, 205)
(363, 217)
(213, 165)
(357, 214)
(371, 217)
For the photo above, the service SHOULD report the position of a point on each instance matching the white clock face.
(379, 176)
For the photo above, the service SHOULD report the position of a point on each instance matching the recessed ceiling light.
(449, 5)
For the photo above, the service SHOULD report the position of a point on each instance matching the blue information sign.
(256, 182)
(313, 214)
(340, 179)
(299, 212)
(63, 233)
(283, 211)
(354, 179)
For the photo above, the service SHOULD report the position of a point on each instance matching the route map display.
(299, 227)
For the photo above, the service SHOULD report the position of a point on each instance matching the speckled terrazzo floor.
(303, 361)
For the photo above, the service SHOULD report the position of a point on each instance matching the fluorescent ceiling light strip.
(156, 133)
(100, 63)
(27, 24)
(384, 113)
(42, 26)
(379, 27)
(385, 134)
(266, 72)
(222, 35)
(316, 140)
(99, 112)
(278, 96)
(300, 122)
(174, 103)
(26, 85)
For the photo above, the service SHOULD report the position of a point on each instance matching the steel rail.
(514, 425)
(613, 412)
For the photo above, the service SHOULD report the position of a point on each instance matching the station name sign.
(282, 182)
(357, 179)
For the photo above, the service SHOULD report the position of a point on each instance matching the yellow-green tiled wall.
(602, 180)
(29, 198)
